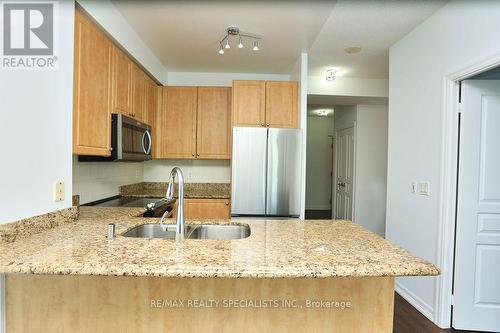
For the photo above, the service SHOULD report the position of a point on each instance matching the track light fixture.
(255, 46)
(235, 31)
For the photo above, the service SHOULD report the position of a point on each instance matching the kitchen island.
(288, 275)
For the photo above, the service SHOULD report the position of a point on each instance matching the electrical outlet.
(414, 186)
(424, 188)
(59, 191)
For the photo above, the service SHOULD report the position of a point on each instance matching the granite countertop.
(275, 249)
(191, 190)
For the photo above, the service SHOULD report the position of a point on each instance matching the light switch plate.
(59, 191)
(414, 187)
(424, 188)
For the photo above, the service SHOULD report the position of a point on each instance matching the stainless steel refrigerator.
(266, 172)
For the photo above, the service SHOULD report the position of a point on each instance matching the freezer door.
(248, 183)
(283, 172)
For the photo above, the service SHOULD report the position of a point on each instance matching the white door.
(476, 304)
(344, 171)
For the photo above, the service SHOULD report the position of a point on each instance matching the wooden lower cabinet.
(78, 304)
(206, 209)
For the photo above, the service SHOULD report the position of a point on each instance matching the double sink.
(201, 231)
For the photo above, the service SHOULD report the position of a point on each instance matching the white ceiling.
(185, 34)
(372, 25)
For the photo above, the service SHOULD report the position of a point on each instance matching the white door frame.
(334, 179)
(449, 154)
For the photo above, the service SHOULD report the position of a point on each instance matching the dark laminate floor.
(318, 214)
(408, 320)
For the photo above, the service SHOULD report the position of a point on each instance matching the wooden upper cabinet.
(178, 122)
(265, 103)
(282, 104)
(151, 102)
(92, 89)
(249, 103)
(122, 83)
(139, 93)
(214, 123)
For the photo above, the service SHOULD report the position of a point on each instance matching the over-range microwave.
(131, 140)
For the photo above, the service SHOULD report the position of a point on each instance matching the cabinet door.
(122, 82)
(151, 102)
(206, 208)
(151, 110)
(92, 90)
(178, 122)
(156, 123)
(249, 103)
(282, 104)
(214, 123)
(139, 94)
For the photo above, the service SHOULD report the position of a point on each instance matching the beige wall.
(319, 162)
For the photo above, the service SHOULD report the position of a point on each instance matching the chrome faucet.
(180, 227)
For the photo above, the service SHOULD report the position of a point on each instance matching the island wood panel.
(178, 122)
(58, 303)
(122, 82)
(214, 123)
(92, 89)
(282, 104)
(207, 209)
(249, 103)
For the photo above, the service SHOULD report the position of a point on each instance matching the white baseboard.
(3, 325)
(415, 301)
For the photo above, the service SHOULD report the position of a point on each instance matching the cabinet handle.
(198, 155)
(227, 203)
(267, 125)
(192, 154)
(262, 124)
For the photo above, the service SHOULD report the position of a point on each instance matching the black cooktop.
(154, 206)
(129, 202)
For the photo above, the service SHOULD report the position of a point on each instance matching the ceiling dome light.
(227, 44)
(353, 49)
(240, 44)
(255, 46)
(331, 74)
(221, 50)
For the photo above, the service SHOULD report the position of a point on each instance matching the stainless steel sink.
(219, 231)
(201, 231)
